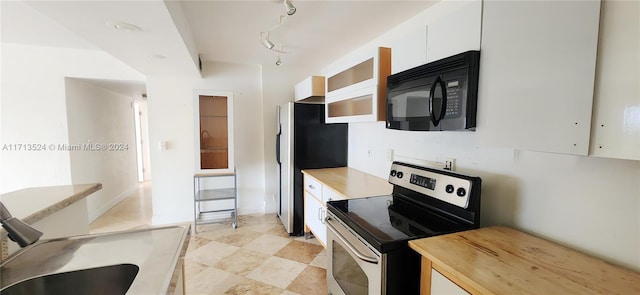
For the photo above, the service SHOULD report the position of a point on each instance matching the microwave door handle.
(443, 107)
(431, 92)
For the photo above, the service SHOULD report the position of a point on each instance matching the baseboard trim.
(93, 215)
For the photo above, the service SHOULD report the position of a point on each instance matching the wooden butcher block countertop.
(351, 183)
(501, 260)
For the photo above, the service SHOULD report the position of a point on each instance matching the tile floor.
(256, 258)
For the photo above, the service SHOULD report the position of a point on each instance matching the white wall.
(34, 108)
(589, 204)
(171, 119)
(99, 116)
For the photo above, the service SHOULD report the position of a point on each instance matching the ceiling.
(174, 33)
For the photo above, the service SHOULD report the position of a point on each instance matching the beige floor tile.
(279, 231)
(263, 227)
(242, 262)
(213, 231)
(196, 242)
(252, 287)
(320, 260)
(310, 241)
(211, 281)
(258, 219)
(268, 244)
(192, 268)
(256, 238)
(239, 237)
(133, 211)
(312, 281)
(277, 271)
(300, 251)
(211, 253)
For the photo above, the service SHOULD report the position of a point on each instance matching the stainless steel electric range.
(367, 237)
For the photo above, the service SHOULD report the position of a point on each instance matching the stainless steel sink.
(112, 280)
(145, 261)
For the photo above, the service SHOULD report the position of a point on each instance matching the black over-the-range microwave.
(437, 96)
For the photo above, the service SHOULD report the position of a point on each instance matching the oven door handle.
(355, 251)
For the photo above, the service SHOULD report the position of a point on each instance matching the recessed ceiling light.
(121, 26)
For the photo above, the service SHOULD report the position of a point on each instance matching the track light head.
(289, 7)
(267, 43)
(278, 60)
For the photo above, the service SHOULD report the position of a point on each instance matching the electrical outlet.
(450, 164)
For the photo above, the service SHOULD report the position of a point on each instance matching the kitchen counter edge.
(351, 183)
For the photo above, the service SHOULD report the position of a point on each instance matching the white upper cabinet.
(310, 90)
(356, 91)
(537, 69)
(616, 108)
(455, 33)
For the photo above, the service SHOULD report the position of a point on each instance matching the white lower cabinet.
(314, 213)
(330, 195)
(440, 285)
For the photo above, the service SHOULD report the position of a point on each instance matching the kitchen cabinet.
(316, 196)
(356, 91)
(457, 32)
(537, 71)
(332, 184)
(310, 90)
(314, 212)
(615, 130)
(501, 260)
(440, 285)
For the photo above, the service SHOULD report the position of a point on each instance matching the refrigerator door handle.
(278, 146)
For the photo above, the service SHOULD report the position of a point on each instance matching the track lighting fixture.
(289, 7)
(266, 42)
(264, 36)
(278, 60)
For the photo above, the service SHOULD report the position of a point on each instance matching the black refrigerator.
(304, 141)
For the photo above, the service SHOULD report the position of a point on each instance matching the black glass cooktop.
(387, 222)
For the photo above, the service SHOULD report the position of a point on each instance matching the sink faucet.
(19, 232)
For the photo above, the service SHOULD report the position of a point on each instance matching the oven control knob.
(393, 173)
(400, 174)
(449, 188)
(461, 192)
